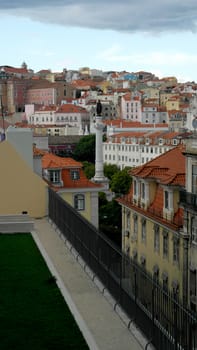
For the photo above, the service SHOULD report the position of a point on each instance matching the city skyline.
(131, 36)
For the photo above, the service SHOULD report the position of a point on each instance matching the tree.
(110, 219)
(121, 181)
(89, 169)
(110, 170)
(85, 149)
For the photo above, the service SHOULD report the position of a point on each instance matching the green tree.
(110, 219)
(89, 169)
(110, 170)
(121, 181)
(85, 149)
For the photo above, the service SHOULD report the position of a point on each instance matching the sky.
(158, 36)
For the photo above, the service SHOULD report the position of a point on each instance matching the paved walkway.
(102, 327)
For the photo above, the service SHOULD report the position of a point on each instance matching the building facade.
(131, 149)
(67, 178)
(188, 199)
(152, 221)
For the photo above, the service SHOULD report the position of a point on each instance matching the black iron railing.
(160, 315)
(188, 199)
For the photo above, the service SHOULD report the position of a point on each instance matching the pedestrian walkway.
(104, 326)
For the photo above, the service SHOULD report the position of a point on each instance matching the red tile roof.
(168, 168)
(51, 161)
(71, 108)
(121, 123)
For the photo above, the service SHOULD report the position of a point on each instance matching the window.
(143, 190)
(194, 230)
(79, 202)
(156, 238)
(166, 199)
(128, 220)
(135, 224)
(176, 250)
(75, 174)
(54, 176)
(194, 179)
(135, 187)
(165, 244)
(143, 230)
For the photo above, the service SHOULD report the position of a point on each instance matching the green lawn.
(33, 313)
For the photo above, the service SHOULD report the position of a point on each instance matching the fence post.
(175, 326)
(153, 311)
(135, 289)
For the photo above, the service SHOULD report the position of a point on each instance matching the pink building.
(42, 95)
(131, 108)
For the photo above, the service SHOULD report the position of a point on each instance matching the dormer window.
(75, 174)
(166, 199)
(175, 142)
(160, 141)
(143, 190)
(54, 176)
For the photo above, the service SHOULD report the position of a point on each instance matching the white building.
(66, 115)
(131, 149)
(154, 114)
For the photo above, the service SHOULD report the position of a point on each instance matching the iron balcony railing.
(188, 199)
(159, 314)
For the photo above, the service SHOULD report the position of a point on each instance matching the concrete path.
(103, 327)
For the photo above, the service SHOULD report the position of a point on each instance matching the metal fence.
(159, 314)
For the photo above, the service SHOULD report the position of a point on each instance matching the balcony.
(188, 199)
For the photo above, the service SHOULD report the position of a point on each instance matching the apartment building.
(59, 118)
(131, 107)
(188, 200)
(154, 114)
(131, 149)
(152, 221)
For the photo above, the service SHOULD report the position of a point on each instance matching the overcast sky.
(153, 35)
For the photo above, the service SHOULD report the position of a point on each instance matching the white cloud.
(152, 16)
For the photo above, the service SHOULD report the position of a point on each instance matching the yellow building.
(66, 177)
(188, 199)
(151, 93)
(152, 222)
(21, 189)
(165, 96)
(173, 104)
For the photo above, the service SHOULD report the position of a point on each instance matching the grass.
(33, 313)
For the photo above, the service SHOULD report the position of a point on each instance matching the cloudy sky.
(158, 36)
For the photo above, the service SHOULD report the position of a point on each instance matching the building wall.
(145, 249)
(21, 189)
(89, 204)
(22, 141)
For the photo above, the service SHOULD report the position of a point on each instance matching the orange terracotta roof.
(168, 168)
(70, 108)
(50, 160)
(121, 123)
(15, 70)
(156, 207)
(38, 152)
